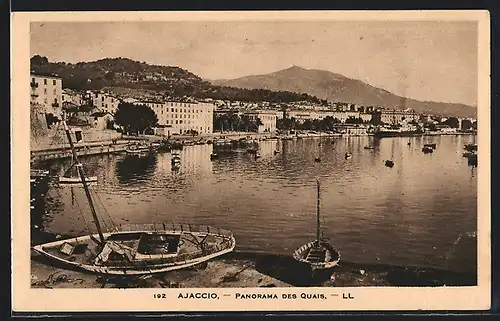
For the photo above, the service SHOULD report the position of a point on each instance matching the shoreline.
(249, 269)
(107, 147)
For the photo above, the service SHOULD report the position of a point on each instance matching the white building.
(181, 118)
(268, 119)
(47, 92)
(72, 97)
(105, 102)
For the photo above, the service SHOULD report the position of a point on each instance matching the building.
(105, 102)
(46, 91)
(398, 117)
(101, 120)
(71, 97)
(182, 118)
(302, 115)
(267, 118)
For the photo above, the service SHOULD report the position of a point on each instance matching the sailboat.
(137, 249)
(319, 254)
(66, 178)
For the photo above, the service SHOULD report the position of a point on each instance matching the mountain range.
(338, 88)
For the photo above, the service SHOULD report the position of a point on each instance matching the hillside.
(338, 88)
(167, 81)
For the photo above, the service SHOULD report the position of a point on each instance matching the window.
(176, 121)
(45, 81)
(53, 82)
(33, 80)
(45, 91)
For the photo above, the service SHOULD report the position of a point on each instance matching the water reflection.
(412, 213)
(132, 169)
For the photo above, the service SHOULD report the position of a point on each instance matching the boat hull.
(142, 263)
(76, 180)
(301, 255)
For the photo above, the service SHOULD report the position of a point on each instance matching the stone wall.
(43, 137)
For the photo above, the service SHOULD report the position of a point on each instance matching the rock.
(58, 236)
(332, 277)
(362, 272)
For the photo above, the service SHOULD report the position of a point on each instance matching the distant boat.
(214, 156)
(276, 152)
(137, 150)
(348, 155)
(257, 155)
(368, 147)
(319, 254)
(389, 163)
(427, 149)
(470, 147)
(433, 145)
(317, 159)
(176, 159)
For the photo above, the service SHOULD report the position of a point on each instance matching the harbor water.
(420, 212)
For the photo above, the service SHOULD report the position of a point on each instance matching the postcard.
(250, 161)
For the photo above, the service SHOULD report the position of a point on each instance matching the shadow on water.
(130, 169)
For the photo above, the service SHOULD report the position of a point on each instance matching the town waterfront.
(421, 212)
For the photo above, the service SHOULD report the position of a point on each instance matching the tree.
(354, 120)
(452, 122)
(466, 124)
(135, 118)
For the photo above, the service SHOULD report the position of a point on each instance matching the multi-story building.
(301, 115)
(105, 102)
(267, 118)
(47, 92)
(182, 118)
(72, 97)
(397, 117)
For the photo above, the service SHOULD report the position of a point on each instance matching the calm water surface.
(420, 212)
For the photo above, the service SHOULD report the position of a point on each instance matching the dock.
(62, 151)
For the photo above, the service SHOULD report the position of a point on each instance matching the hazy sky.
(423, 60)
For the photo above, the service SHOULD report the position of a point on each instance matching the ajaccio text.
(198, 295)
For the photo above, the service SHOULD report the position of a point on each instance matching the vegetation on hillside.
(167, 81)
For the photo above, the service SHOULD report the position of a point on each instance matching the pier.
(64, 151)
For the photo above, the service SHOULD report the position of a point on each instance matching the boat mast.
(317, 218)
(79, 167)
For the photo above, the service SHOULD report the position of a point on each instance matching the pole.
(317, 217)
(79, 167)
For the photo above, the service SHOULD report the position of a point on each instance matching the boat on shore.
(136, 249)
(318, 254)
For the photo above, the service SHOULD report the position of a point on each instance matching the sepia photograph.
(214, 156)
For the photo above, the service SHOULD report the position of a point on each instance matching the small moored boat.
(427, 150)
(76, 180)
(319, 254)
